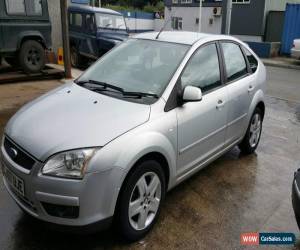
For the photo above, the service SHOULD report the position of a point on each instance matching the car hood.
(72, 117)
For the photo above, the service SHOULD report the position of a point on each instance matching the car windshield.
(138, 66)
(109, 21)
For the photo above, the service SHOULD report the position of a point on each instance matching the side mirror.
(191, 94)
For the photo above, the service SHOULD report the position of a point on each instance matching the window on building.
(15, 7)
(175, 1)
(235, 63)
(177, 23)
(34, 8)
(203, 69)
(76, 19)
(186, 1)
(241, 1)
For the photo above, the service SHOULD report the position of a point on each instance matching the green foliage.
(134, 5)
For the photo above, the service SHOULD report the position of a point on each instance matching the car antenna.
(164, 26)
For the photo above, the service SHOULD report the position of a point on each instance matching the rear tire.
(252, 137)
(32, 56)
(140, 200)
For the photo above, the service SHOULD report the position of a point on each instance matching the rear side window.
(252, 60)
(235, 63)
(34, 8)
(15, 7)
(76, 19)
(203, 69)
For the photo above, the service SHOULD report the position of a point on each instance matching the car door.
(240, 88)
(202, 125)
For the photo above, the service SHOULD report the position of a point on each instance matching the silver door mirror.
(191, 94)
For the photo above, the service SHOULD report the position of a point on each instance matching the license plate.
(16, 182)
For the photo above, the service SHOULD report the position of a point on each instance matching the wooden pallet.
(9, 75)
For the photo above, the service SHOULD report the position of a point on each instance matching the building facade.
(249, 18)
(184, 15)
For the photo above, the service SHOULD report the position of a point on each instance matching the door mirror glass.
(192, 94)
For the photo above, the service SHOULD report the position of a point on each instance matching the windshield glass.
(109, 21)
(138, 66)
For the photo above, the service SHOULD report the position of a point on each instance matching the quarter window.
(252, 60)
(203, 69)
(15, 7)
(234, 61)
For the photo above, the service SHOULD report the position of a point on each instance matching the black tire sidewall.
(24, 51)
(245, 146)
(126, 230)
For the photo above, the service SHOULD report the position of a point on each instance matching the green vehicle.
(25, 33)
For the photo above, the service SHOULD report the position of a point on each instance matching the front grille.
(18, 155)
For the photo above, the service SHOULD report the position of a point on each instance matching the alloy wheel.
(144, 201)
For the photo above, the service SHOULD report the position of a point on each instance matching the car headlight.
(70, 164)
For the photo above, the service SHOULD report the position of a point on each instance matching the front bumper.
(94, 196)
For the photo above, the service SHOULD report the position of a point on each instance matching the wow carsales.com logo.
(254, 239)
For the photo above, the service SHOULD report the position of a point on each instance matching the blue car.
(94, 31)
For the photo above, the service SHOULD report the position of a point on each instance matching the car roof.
(91, 9)
(183, 37)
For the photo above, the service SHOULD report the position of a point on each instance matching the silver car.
(146, 116)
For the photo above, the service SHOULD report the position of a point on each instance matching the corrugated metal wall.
(291, 29)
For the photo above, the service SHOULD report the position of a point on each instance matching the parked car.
(146, 116)
(296, 196)
(93, 32)
(295, 51)
(25, 33)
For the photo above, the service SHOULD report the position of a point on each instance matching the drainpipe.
(200, 15)
(228, 16)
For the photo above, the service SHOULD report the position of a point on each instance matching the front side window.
(138, 66)
(235, 63)
(34, 8)
(109, 21)
(15, 7)
(203, 69)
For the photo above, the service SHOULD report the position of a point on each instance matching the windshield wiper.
(105, 86)
(139, 94)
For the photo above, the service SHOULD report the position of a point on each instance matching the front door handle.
(251, 88)
(220, 104)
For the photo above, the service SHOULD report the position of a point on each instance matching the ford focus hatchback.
(146, 116)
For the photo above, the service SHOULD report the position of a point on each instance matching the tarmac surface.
(233, 195)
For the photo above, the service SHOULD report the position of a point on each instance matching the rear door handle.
(251, 88)
(220, 104)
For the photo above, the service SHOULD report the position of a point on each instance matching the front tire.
(140, 200)
(252, 137)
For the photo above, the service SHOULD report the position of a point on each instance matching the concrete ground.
(233, 195)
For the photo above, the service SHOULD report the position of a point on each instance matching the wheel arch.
(35, 36)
